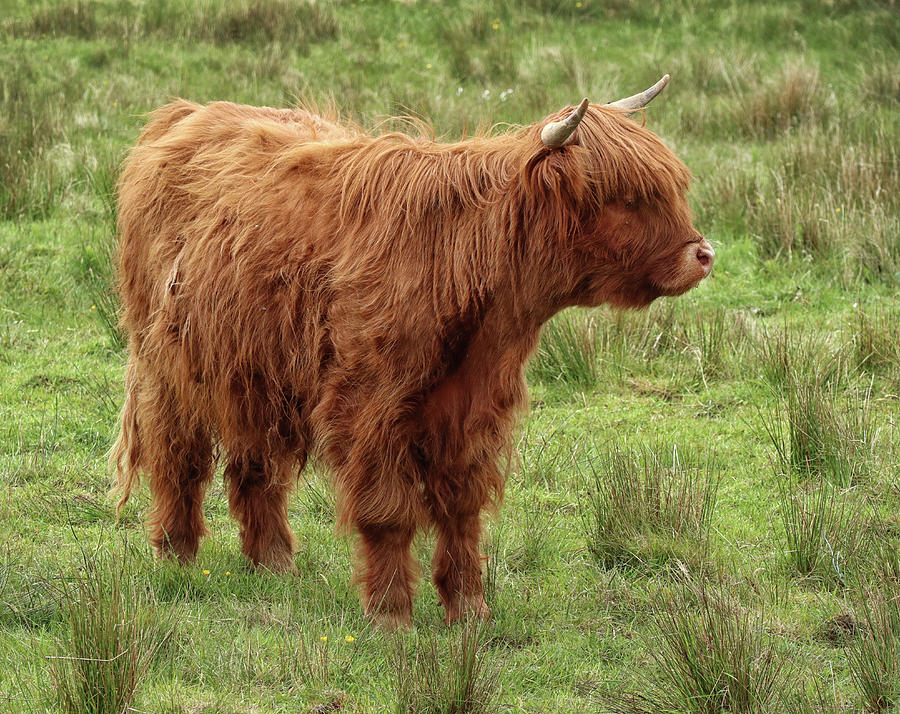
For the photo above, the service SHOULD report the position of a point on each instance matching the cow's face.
(642, 249)
(633, 240)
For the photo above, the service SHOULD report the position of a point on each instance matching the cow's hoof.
(471, 607)
(390, 621)
(278, 565)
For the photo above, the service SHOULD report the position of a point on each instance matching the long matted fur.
(293, 285)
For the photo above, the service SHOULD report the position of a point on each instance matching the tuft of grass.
(98, 253)
(568, 351)
(874, 657)
(714, 340)
(645, 505)
(78, 19)
(114, 631)
(875, 338)
(529, 552)
(817, 432)
(261, 22)
(298, 23)
(32, 121)
(787, 353)
(832, 196)
(459, 677)
(822, 529)
(881, 83)
(474, 39)
(711, 655)
(887, 559)
(794, 97)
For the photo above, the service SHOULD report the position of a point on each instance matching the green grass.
(707, 582)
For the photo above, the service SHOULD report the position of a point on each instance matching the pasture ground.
(706, 512)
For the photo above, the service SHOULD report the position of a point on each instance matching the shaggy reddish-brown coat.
(292, 285)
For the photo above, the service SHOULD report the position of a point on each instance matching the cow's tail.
(125, 457)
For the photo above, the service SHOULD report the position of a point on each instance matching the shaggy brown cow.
(293, 285)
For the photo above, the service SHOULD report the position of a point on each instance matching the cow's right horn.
(557, 133)
(641, 99)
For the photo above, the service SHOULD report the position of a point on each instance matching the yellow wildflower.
(206, 572)
(324, 638)
(349, 638)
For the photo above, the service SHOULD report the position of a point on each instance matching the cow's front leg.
(456, 567)
(387, 571)
(258, 491)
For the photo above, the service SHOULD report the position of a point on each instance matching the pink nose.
(705, 256)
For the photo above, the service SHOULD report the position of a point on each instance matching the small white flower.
(486, 93)
(458, 91)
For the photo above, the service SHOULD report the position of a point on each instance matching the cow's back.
(219, 273)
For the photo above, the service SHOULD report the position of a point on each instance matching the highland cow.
(292, 286)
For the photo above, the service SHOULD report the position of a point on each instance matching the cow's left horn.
(557, 133)
(641, 99)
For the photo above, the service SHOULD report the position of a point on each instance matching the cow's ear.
(557, 176)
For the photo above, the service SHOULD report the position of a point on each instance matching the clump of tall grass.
(875, 338)
(98, 255)
(711, 655)
(545, 459)
(881, 83)
(788, 354)
(694, 346)
(31, 120)
(714, 341)
(757, 106)
(477, 50)
(236, 21)
(818, 432)
(568, 351)
(703, 72)
(874, 656)
(579, 347)
(297, 23)
(648, 505)
(817, 427)
(887, 559)
(822, 529)
(460, 676)
(793, 97)
(70, 18)
(528, 553)
(114, 631)
(833, 195)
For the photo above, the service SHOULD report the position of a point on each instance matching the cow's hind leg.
(180, 462)
(456, 566)
(258, 492)
(387, 572)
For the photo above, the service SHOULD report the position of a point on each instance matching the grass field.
(705, 515)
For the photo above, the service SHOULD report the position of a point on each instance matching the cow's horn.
(557, 133)
(641, 99)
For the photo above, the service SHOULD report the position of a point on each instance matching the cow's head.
(632, 239)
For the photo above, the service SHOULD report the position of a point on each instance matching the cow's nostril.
(705, 257)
